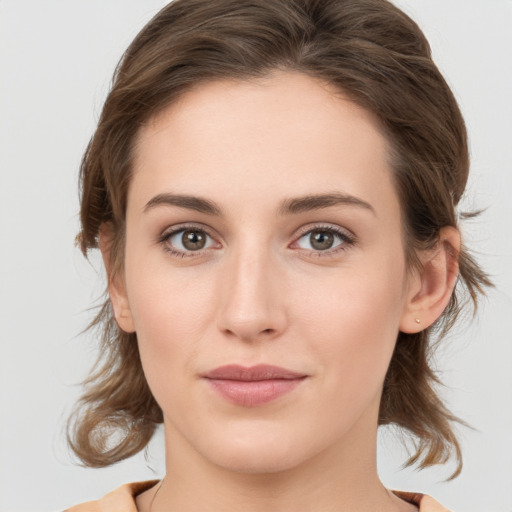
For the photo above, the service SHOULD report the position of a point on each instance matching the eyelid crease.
(332, 228)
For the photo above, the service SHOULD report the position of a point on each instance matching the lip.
(252, 373)
(254, 385)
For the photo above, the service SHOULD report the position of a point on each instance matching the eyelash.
(167, 235)
(347, 240)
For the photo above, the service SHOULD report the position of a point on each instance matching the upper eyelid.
(172, 230)
(300, 231)
(334, 228)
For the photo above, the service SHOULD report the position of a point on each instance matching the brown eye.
(321, 240)
(324, 240)
(193, 240)
(189, 240)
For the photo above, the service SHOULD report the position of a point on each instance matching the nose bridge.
(252, 305)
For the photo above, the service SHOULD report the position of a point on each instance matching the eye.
(323, 239)
(188, 240)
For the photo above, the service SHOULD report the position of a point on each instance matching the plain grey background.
(56, 60)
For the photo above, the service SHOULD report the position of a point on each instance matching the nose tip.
(248, 316)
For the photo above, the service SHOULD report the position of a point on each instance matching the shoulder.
(123, 498)
(425, 503)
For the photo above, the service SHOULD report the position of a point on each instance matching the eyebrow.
(319, 201)
(184, 201)
(289, 206)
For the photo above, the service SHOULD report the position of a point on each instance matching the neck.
(342, 478)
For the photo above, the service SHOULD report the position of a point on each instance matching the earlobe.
(431, 288)
(116, 286)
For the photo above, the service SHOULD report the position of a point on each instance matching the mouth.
(252, 373)
(252, 386)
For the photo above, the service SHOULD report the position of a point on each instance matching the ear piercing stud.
(417, 320)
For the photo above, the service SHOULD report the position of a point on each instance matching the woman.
(273, 188)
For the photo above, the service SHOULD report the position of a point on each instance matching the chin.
(257, 453)
(260, 462)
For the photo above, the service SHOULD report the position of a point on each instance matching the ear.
(430, 289)
(116, 284)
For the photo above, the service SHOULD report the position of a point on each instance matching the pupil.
(193, 240)
(321, 240)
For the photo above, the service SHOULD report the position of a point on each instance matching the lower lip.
(253, 393)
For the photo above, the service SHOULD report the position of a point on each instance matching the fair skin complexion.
(320, 287)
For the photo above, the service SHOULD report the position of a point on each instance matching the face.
(263, 228)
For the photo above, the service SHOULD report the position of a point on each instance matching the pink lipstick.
(252, 386)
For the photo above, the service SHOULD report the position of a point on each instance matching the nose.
(252, 302)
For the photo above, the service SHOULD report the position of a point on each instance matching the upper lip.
(252, 373)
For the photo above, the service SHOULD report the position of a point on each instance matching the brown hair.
(369, 50)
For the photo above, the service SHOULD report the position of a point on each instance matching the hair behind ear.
(410, 400)
(117, 414)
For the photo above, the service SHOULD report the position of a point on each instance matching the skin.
(260, 292)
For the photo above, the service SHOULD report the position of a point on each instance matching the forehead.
(283, 135)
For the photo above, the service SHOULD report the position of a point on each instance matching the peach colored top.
(123, 500)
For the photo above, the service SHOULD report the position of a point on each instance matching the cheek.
(170, 311)
(352, 321)
(169, 317)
